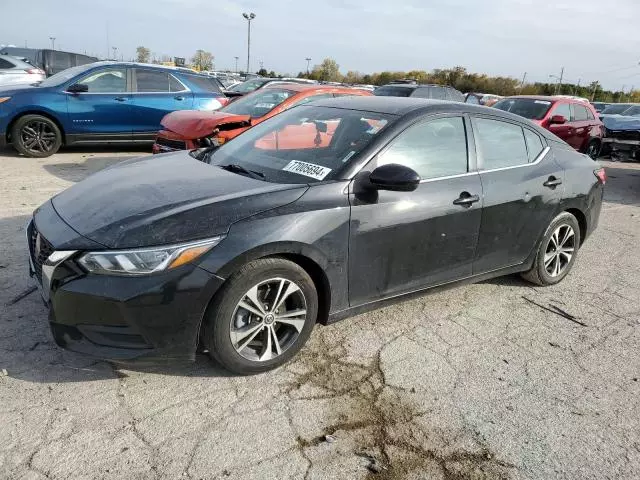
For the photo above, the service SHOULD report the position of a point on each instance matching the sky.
(497, 37)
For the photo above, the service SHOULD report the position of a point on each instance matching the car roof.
(303, 87)
(401, 106)
(146, 65)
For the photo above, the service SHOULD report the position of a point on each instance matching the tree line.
(461, 79)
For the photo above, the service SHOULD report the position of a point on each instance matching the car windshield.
(393, 91)
(303, 145)
(258, 103)
(633, 111)
(616, 109)
(65, 75)
(249, 85)
(525, 107)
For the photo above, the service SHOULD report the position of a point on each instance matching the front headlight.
(143, 261)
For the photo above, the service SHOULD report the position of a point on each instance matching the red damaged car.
(189, 129)
(573, 120)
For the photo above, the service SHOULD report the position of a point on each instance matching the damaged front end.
(190, 129)
(622, 138)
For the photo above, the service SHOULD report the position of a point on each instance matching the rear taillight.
(34, 71)
(601, 175)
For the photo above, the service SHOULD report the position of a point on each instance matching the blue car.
(100, 102)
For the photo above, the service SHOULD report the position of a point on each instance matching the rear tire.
(36, 136)
(557, 251)
(254, 323)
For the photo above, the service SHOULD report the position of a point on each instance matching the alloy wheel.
(268, 319)
(560, 250)
(592, 150)
(38, 136)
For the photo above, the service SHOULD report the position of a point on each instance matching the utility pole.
(53, 42)
(577, 89)
(236, 63)
(630, 92)
(115, 53)
(249, 17)
(524, 77)
(308, 59)
(595, 88)
(261, 64)
(559, 88)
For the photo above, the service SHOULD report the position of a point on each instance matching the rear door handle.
(466, 199)
(120, 99)
(179, 97)
(553, 182)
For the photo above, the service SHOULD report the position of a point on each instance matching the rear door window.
(6, 64)
(204, 83)
(501, 144)
(534, 144)
(148, 81)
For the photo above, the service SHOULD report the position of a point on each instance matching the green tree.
(328, 70)
(143, 54)
(262, 72)
(273, 74)
(202, 60)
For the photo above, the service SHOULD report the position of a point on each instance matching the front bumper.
(146, 319)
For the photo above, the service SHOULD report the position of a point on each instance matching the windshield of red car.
(258, 103)
(303, 145)
(525, 107)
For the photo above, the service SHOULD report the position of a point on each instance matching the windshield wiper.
(233, 167)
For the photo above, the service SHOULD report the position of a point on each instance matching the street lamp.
(53, 42)
(308, 60)
(249, 17)
(236, 63)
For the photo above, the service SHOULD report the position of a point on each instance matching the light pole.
(308, 59)
(559, 86)
(249, 17)
(53, 42)
(236, 63)
(115, 53)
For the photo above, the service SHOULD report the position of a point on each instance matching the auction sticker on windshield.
(307, 169)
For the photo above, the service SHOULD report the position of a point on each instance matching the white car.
(14, 71)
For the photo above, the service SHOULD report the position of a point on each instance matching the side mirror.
(558, 119)
(394, 177)
(78, 88)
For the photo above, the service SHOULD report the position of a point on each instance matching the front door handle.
(120, 99)
(466, 199)
(552, 182)
(179, 97)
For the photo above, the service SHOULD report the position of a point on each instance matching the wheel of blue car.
(262, 316)
(36, 136)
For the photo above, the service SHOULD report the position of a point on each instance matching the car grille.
(624, 134)
(38, 255)
(174, 144)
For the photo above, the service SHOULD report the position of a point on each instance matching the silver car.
(14, 71)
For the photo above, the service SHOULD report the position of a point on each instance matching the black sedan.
(326, 210)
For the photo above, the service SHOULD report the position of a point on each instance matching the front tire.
(262, 316)
(593, 149)
(36, 136)
(557, 251)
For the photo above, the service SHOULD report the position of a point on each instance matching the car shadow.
(78, 171)
(142, 148)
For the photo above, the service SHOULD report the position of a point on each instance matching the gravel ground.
(484, 381)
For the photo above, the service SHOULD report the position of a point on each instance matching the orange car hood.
(192, 124)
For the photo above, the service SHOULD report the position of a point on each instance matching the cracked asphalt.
(498, 380)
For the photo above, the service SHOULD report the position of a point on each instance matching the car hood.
(164, 199)
(192, 124)
(14, 88)
(621, 122)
